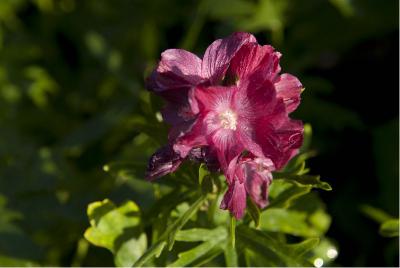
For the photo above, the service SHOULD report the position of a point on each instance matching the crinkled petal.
(178, 68)
(280, 138)
(288, 87)
(258, 178)
(219, 54)
(254, 63)
(162, 162)
(235, 199)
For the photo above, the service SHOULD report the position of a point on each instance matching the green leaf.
(212, 238)
(230, 254)
(344, 6)
(390, 228)
(284, 192)
(206, 258)
(313, 180)
(286, 221)
(191, 255)
(6, 261)
(180, 222)
(199, 234)
(117, 229)
(277, 253)
(203, 172)
(130, 251)
(303, 247)
(376, 214)
(168, 237)
(254, 212)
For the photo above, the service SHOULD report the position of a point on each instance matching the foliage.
(77, 128)
(194, 217)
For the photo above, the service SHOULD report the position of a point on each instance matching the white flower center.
(228, 120)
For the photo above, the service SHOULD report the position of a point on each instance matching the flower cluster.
(230, 111)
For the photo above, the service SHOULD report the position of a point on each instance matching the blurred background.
(71, 104)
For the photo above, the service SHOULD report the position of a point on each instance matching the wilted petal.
(178, 68)
(235, 199)
(219, 54)
(289, 88)
(205, 155)
(258, 178)
(162, 162)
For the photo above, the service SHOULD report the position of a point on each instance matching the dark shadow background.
(72, 78)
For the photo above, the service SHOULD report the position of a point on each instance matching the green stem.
(232, 231)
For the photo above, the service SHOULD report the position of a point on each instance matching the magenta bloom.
(231, 102)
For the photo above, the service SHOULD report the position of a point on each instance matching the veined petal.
(288, 87)
(178, 68)
(219, 54)
(219, 120)
(255, 63)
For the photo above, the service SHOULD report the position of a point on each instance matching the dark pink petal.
(218, 55)
(235, 199)
(227, 147)
(254, 102)
(212, 103)
(177, 109)
(178, 68)
(280, 138)
(288, 88)
(162, 162)
(255, 63)
(190, 138)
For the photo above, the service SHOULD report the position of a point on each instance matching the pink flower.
(233, 101)
(178, 72)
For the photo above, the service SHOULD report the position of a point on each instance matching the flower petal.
(235, 199)
(211, 102)
(178, 68)
(280, 138)
(258, 178)
(162, 162)
(218, 55)
(206, 155)
(288, 87)
(190, 138)
(255, 63)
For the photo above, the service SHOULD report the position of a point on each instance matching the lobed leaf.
(117, 229)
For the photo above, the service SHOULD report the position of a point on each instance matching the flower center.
(228, 120)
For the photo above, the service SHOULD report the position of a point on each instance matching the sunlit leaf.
(390, 228)
(117, 229)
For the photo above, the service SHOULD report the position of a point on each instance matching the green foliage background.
(77, 126)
